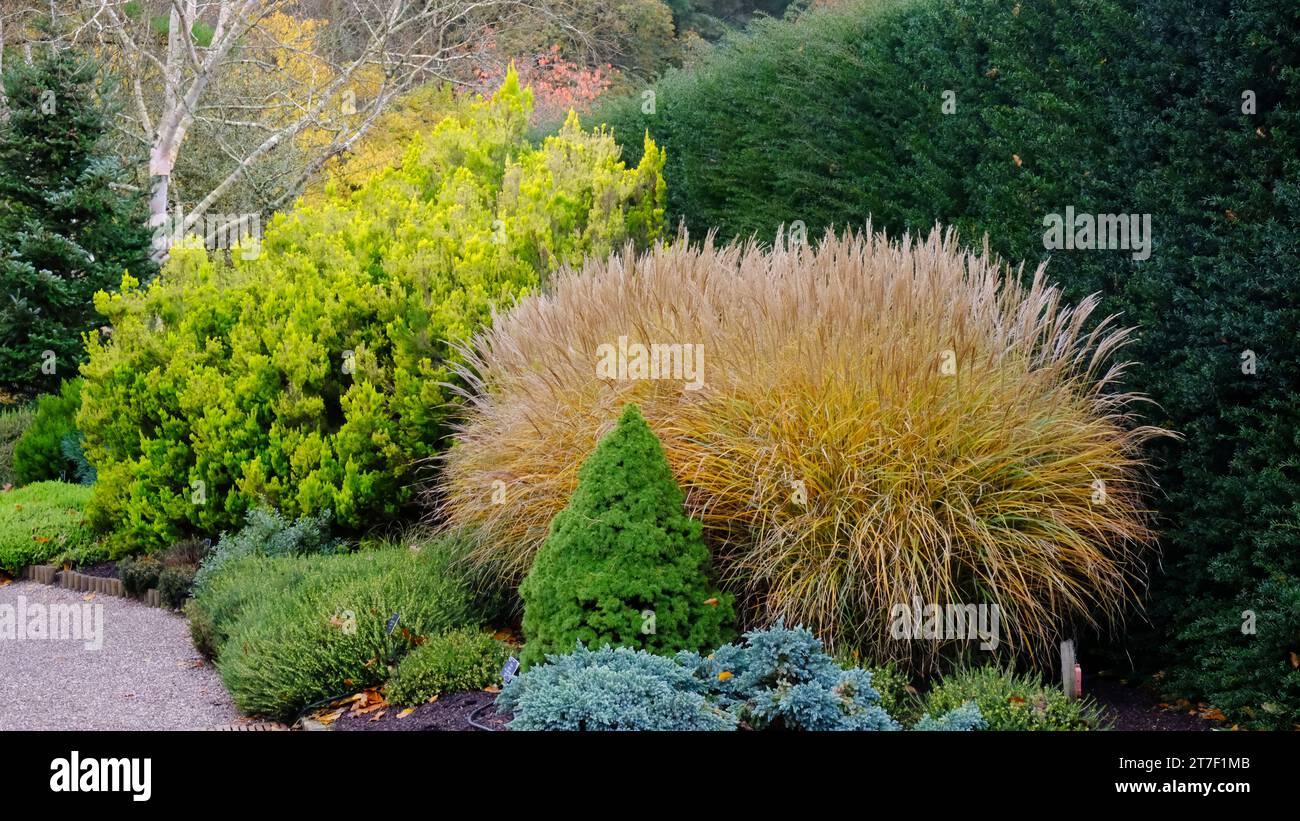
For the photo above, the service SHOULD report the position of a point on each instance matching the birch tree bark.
(379, 49)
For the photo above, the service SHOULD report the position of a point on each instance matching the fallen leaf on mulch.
(404, 713)
(432, 699)
(491, 688)
(328, 717)
(368, 701)
(378, 715)
(1213, 714)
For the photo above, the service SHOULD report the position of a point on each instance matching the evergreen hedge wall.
(1111, 107)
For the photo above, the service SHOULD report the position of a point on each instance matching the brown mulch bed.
(106, 570)
(1128, 706)
(450, 712)
(1133, 708)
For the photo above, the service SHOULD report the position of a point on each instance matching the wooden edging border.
(84, 582)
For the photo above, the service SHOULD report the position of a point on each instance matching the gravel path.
(145, 676)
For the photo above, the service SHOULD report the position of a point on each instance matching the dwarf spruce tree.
(623, 565)
(67, 229)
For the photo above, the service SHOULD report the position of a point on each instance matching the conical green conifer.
(622, 564)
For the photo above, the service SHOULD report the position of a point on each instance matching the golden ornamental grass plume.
(876, 424)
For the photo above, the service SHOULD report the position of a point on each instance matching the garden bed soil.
(107, 570)
(449, 712)
(1133, 708)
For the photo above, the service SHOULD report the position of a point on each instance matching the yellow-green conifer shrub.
(306, 371)
(857, 425)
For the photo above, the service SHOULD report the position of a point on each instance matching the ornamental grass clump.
(862, 424)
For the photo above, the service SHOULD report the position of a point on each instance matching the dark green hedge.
(1109, 106)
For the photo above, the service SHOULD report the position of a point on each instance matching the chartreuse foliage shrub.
(623, 565)
(50, 447)
(828, 496)
(13, 422)
(465, 659)
(42, 522)
(1181, 109)
(290, 631)
(1009, 701)
(775, 679)
(309, 376)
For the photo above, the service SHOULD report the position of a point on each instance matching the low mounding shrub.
(13, 422)
(861, 423)
(42, 522)
(138, 574)
(248, 586)
(307, 373)
(174, 585)
(782, 679)
(775, 679)
(291, 631)
(40, 454)
(965, 717)
(180, 563)
(457, 660)
(268, 533)
(897, 697)
(622, 564)
(1008, 701)
(613, 688)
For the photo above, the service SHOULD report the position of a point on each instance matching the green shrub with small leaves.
(13, 423)
(174, 585)
(1013, 702)
(43, 522)
(267, 532)
(293, 630)
(39, 455)
(248, 586)
(138, 574)
(180, 564)
(623, 565)
(457, 660)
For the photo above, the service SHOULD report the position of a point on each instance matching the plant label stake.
(392, 623)
(1070, 671)
(508, 671)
